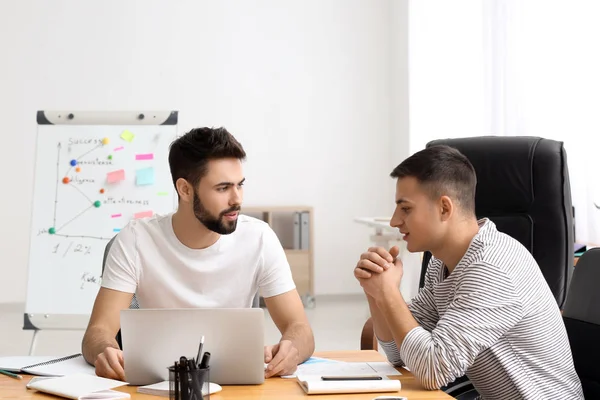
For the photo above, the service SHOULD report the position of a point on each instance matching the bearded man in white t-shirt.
(204, 255)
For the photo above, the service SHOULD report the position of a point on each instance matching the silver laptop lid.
(153, 339)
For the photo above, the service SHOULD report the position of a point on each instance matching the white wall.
(446, 71)
(306, 86)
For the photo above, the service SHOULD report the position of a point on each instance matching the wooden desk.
(272, 389)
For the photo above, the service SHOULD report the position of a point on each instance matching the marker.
(352, 378)
(205, 361)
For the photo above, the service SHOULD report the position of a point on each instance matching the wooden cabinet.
(293, 225)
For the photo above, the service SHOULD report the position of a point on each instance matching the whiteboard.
(94, 172)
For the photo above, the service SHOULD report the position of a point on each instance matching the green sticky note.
(127, 135)
(163, 193)
(144, 176)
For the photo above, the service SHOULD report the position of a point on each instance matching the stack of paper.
(79, 387)
(309, 376)
(322, 366)
(313, 384)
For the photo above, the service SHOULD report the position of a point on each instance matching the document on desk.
(80, 387)
(331, 367)
(313, 384)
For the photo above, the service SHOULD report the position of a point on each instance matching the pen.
(184, 378)
(194, 380)
(192, 365)
(352, 378)
(10, 374)
(200, 350)
(205, 360)
(176, 369)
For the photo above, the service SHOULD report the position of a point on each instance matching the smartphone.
(352, 378)
(390, 398)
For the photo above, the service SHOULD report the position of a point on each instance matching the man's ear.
(446, 208)
(184, 189)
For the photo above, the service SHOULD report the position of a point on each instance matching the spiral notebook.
(48, 366)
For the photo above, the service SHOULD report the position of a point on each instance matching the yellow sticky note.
(127, 135)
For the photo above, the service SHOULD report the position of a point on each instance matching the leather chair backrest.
(523, 187)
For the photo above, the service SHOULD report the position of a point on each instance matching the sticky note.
(116, 229)
(162, 193)
(127, 136)
(143, 214)
(115, 176)
(144, 176)
(147, 156)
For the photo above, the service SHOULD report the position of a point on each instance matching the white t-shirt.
(147, 259)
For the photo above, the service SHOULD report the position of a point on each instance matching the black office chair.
(581, 315)
(523, 187)
(134, 303)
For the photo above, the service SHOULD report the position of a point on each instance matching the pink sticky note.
(115, 176)
(147, 156)
(143, 214)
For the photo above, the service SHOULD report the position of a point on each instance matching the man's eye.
(405, 209)
(222, 189)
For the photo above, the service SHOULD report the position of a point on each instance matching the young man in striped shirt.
(485, 309)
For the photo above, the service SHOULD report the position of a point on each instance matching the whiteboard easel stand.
(38, 322)
(65, 321)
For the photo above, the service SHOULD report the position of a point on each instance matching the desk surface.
(274, 388)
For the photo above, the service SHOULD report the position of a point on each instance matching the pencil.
(10, 374)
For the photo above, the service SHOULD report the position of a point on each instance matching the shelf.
(297, 251)
(298, 245)
(254, 209)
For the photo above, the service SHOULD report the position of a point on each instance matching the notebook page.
(16, 363)
(313, 384)
(65, 367)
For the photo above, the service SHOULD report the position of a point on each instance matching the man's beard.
(215, 224)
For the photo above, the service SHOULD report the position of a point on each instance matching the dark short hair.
(189, 154)
(442, 170)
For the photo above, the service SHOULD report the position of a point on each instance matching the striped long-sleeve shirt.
(493, 318)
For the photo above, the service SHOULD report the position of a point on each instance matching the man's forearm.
(380, 326)
(95, 341)
(301, 335)
(399, 319)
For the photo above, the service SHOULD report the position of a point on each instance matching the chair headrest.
(506, 167)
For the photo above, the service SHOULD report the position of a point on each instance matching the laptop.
(153, 339)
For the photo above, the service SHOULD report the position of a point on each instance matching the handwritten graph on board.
(90, 182)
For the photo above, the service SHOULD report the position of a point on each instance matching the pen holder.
(188, 384)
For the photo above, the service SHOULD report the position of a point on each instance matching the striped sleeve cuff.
(392, 353)
(411, 345)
